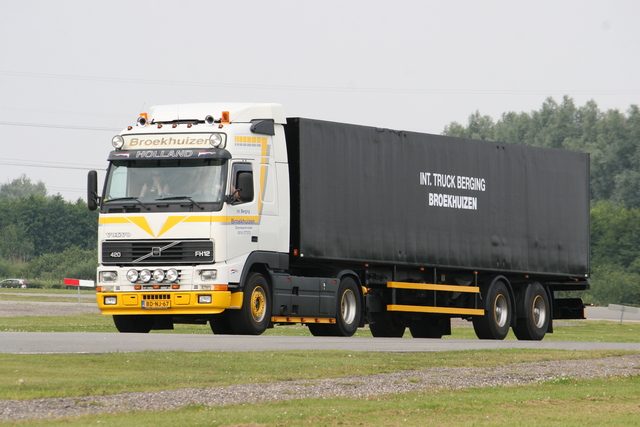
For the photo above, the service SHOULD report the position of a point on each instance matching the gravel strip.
(349, 387)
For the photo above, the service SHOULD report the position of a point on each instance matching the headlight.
(110, 300)
(145, 276)
(117, 142)
(158, 275)
(207, 275)
(108, 276)
(172, 275)
(218, 140)
(132, 276)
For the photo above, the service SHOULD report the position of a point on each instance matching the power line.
(327, 88)
(66, 113)
(42, 125)
(45, 165)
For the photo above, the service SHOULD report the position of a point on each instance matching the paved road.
(83, 342)
(613, 313)
(69, 342)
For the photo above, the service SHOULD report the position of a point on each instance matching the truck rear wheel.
(254, 316)
(534, 303)
(133, 323)
(348, 312)
(495, 323)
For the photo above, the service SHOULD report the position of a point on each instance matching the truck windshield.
(171, 181)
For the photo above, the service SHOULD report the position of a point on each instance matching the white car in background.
(13, 283)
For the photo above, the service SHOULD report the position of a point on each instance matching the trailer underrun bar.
(433, 309)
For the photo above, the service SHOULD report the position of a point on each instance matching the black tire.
(220, 324)
(383, 325)
(320, 329)
(495, 323)
(255, 315)
(348, 312)
(429, 327)
(534, 313)
(133, 323)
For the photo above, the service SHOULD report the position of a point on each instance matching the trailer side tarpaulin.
(378, 195)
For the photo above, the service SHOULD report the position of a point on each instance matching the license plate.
(165, 303)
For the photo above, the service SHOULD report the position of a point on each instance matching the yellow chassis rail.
(290, 319)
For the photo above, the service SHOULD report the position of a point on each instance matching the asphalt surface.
(82, 342)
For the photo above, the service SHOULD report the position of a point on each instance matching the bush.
(72, 263)
(613, 284)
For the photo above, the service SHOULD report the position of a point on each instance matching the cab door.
(243, 218)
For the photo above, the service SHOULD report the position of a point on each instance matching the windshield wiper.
(120, 199)
(181, 197)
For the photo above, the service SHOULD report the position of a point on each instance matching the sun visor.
(156, 154)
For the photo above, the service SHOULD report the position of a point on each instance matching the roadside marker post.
(79, 283)
(622, 309)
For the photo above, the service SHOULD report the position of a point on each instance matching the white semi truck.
(232, 214)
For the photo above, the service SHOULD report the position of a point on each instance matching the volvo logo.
(156, 251)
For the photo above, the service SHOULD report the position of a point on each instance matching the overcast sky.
(74, 73)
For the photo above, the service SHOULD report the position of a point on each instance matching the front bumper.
(168, 302)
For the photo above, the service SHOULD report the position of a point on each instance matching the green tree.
(615, 233)
(613, 284)
(73, 262)
(14, 245)
(22, 187)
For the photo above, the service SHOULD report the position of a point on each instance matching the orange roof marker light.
(225, 117)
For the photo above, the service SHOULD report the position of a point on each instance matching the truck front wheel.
(534, 303)
(132, 323)
(220, 324)
(254, 316)
(495, 323)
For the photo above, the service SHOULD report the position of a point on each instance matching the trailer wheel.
(431, 327)
(384, 325)
(133, 323)
(254, 316)
(535, 308)
(495, 323)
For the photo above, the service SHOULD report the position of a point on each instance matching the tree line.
(612, 138)
(45, 238)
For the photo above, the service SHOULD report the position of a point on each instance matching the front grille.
(155, 252)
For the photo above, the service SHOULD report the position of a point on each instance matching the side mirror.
(245, 186)
(92, 190)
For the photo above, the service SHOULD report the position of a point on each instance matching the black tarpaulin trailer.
(371, 195)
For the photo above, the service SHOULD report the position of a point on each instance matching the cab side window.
(241, 190)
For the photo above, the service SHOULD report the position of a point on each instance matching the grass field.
(565, 401)
(562, 402)
(612, 402)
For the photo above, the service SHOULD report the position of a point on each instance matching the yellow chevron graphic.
(172, 221)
